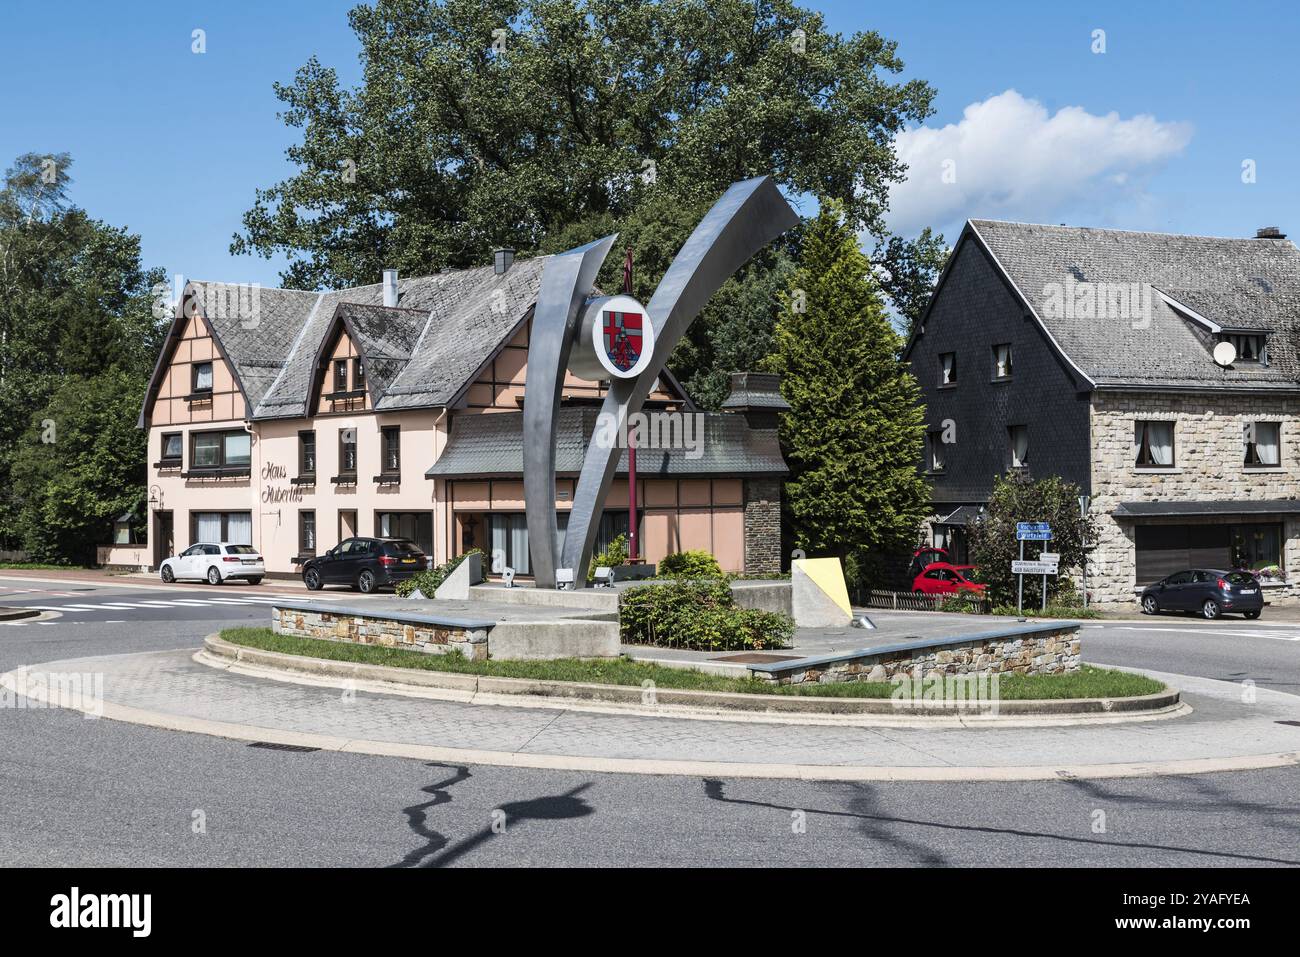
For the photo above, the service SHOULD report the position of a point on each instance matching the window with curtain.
(207, 526)
(948, 368)
(1250, 346)
(347, 451)
(172, 446)
(202, 377)
(392, 448)
(237, 448)
(1002, 361)
(340, 375)
(307, 531)
(1019, 441)
(1263, 443)
(1154, 444)
(358, 375)
(239, 528)
(938, 459)
(214, 450)
(306, 453)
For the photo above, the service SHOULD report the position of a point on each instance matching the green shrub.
(700, 614)
(692, 564)
(615, 553)
(428, 581)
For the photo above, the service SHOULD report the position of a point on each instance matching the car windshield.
(241, 549)
(1240, 578)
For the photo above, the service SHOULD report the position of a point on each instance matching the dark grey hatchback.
(1206, 591)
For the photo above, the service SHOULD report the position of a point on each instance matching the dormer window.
(1250, 346)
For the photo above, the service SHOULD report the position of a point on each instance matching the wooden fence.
(916, 601)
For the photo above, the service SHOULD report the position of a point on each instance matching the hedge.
(699, 614)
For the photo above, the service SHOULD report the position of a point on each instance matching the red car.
(941, 578)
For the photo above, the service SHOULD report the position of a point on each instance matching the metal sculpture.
(748, 216)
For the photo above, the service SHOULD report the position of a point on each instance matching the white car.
(215, 564)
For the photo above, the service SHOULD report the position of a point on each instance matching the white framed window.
(1002, 361)
(1153, 444)
(1263, 442)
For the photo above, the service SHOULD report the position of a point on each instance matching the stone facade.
(762, 526)
(385, 632)
(1039, 651)
(1208, 466)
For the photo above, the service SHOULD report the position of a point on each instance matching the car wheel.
(214, 576)
(1149, 604)
(168, 575)
(1210, 609)
(1252, 615)
(255, 580)
(366, 581)
(311, 578)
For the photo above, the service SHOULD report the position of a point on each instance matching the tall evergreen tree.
(854, 434)
(76, 327)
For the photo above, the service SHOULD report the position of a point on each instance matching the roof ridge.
(1131, 232)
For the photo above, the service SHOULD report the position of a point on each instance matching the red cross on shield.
(622, 338)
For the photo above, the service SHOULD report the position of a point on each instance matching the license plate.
(408, 561)
(250, 561)
(1248, 591)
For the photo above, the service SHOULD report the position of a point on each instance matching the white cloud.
(1008, 159)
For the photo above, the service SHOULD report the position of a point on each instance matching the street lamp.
(1084, 502)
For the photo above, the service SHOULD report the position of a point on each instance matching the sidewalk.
(171, 690)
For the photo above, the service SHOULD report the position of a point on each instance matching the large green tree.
(76, 318)
(483, 123)
(854, 433)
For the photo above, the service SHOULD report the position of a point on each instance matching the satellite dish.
(1225, 353)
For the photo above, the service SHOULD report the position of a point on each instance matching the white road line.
(1236, 633)
(115, 604)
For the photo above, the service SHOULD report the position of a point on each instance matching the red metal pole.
(632, 544)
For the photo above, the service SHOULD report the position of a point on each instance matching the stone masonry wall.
(386, 633)
(762, 526)
(1054, 651)
(1208, 466)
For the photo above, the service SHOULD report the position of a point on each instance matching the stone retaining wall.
(1033, 650)
(437, 639)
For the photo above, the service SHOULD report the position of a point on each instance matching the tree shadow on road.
(439, 851)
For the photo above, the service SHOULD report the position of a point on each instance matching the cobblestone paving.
(1223, 725)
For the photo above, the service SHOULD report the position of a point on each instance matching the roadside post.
(1084, 502)
(1033, 532)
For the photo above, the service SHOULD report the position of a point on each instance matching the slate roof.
(491, 445)
(422, 354)
(1245, 284)
(755, 390)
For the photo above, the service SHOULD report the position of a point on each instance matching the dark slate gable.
(1234, 283)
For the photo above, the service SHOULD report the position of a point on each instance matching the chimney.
(1269, 232)
(390, 288)
(503, 259)
(756, 396)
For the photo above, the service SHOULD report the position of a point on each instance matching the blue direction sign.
(1033, 531)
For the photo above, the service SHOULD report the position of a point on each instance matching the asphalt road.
(83, 792)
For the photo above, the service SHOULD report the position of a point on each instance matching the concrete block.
(819, 597)
(457, 585)
(555, 638)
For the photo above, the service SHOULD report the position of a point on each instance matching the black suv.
(366, 564)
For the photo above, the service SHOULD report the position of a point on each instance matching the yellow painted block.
(827, 575)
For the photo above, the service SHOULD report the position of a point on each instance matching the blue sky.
(1033, 125)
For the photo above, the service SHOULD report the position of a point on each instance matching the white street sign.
(1053, 558)
(1033, 568)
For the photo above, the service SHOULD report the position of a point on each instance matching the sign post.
(1032, 532)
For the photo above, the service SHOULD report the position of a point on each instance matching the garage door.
(1165, 549)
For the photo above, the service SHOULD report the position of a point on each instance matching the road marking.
(1235, 633)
